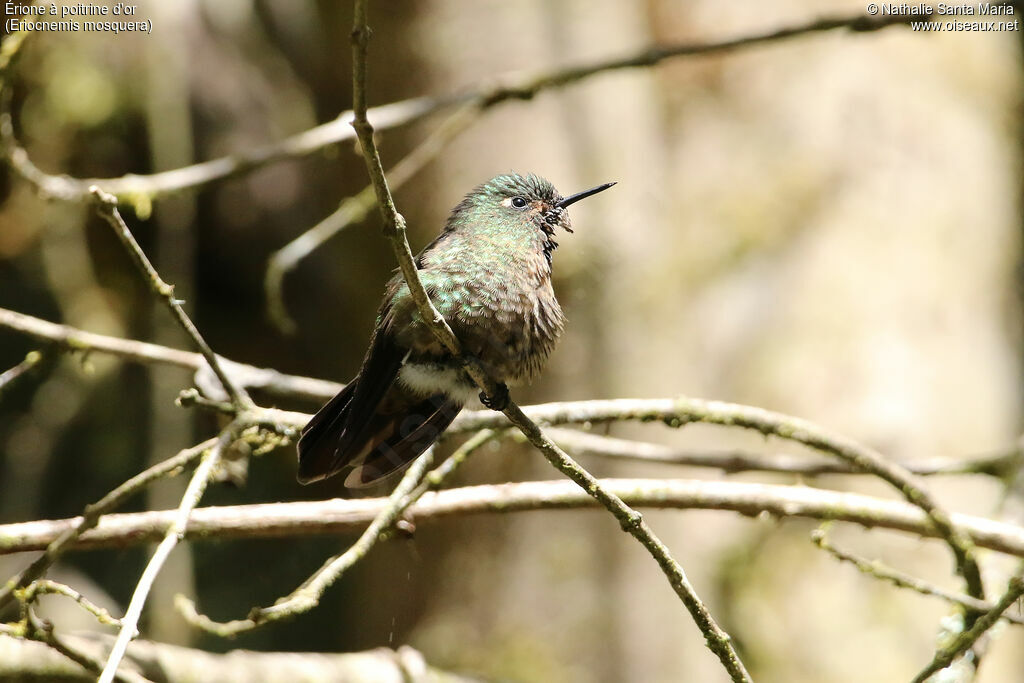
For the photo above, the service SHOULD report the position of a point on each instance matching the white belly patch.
(433, 378)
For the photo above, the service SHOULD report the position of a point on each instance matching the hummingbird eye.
(519, 202)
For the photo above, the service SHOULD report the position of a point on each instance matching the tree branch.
(339, 516)
(32, 359)
(717, 640)
(106, 205)
(996, 464)
(412, 487)
(144, 189)
(902, 580)
(70, 535)
(682, 411)
(946, 655)
(48, 587)
(73, 339)
(353, 210)
(27, 660)
(43, 632)
(175, 532)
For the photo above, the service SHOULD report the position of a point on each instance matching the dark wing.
(392, 440)
(374, 426)
(327, 442)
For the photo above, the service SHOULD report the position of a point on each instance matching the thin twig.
(319, 390)
(413, 486)
(338, 516)
(436, 477)
(92, 514)
(43, 632)
(946, 655)
(394, 224)
(681, 411)
(144, 189)
(106, 206)
(32, 359)
(48, 587)
(902, 580)
(76, 340)
(735, 461)
(307, 596)
(353, 210)
(717, 640)
(175, 532)
(25, 660)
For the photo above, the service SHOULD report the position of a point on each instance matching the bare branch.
(682, 411)
(48, 587)
(74, 339)
(353, 210)
(717, 640)
(43, 632)
(902, 580)
(144, 189)
(8, 376)
(338, 516)
(736, 461)
(412, 487)
(106, 206)
(27, 660)
(174, 533)
(68, 537)
(945, 656)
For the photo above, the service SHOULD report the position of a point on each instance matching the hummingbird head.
(519, 204)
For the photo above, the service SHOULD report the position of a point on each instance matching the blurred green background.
(828, 226)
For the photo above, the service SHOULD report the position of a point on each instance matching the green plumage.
(489, 274)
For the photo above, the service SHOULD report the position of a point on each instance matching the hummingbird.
(489, 274)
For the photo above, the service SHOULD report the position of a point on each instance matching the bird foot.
(499, 400)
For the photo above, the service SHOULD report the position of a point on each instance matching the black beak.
(572, 199)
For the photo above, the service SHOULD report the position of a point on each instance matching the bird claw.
(499, 400)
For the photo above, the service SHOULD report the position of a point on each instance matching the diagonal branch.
(412, 487)
(353, 210)
(74, 339)
(69, 537)
(144, 189)
(946, 655)
(682, 411)
(717, 640)
(902, 580)
(174, 533)
(7, 377)
(106, 205)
